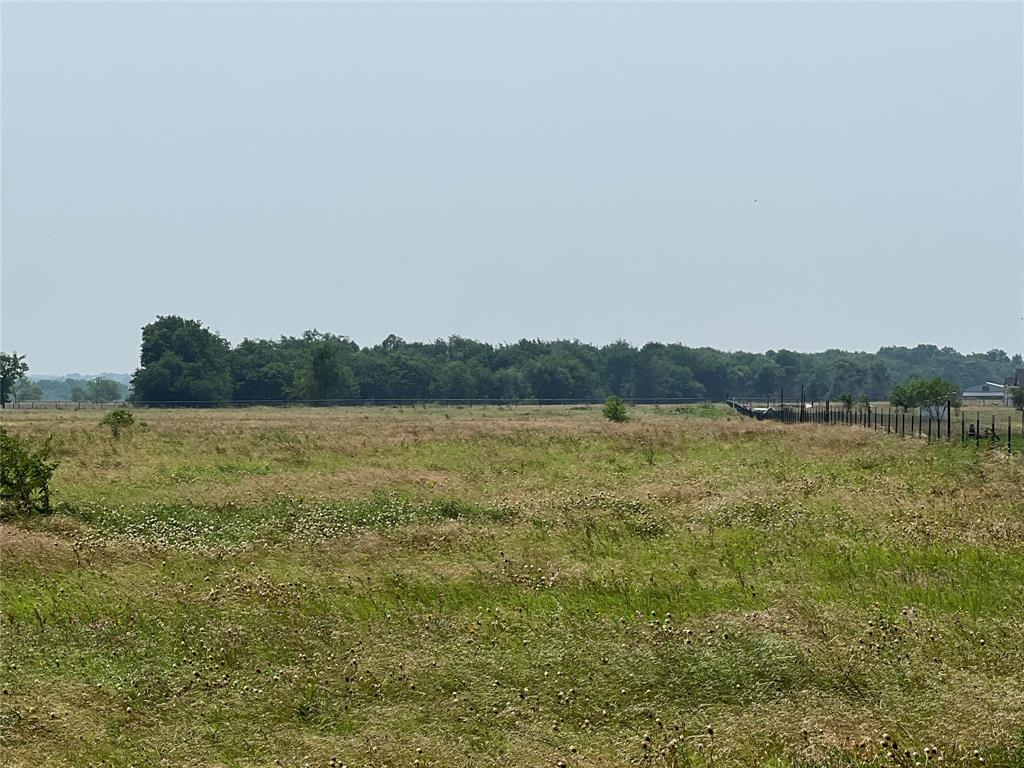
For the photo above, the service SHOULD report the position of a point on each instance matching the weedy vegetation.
(117, 421)
(509, 587)
(25, 472)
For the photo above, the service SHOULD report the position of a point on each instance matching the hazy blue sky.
(746, 176)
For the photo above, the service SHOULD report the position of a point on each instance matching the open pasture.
(511, 587)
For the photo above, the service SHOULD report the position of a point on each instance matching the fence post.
(949, 418)
(1009, 435)
(977, 429)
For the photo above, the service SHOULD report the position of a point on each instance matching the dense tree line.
(182, 361)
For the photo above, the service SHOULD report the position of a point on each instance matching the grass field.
(513, 587)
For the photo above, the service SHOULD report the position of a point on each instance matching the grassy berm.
(511, 587)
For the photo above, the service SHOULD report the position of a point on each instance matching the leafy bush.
(615, 409)
(24, 475)
(118, 420)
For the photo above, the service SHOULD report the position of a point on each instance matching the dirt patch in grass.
(44, 549)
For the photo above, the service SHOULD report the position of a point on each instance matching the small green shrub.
(615, 409)
(117, 420)
(649, 453)
(24, 475)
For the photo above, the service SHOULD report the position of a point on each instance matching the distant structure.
(984, 392)
(1011, 383)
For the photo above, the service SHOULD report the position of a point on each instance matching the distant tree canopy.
(14, 384)
(27, 391)
(183, 361)
(99, 390)
(102, 390)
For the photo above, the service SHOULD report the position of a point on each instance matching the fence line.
(924, 422)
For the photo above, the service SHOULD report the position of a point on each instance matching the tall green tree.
(619, 362)
(12, 370)
(930, 394)
(182, 362)
(325, 375)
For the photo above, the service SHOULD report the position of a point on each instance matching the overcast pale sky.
(745, 176)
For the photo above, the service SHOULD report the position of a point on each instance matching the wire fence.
(936, 424)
